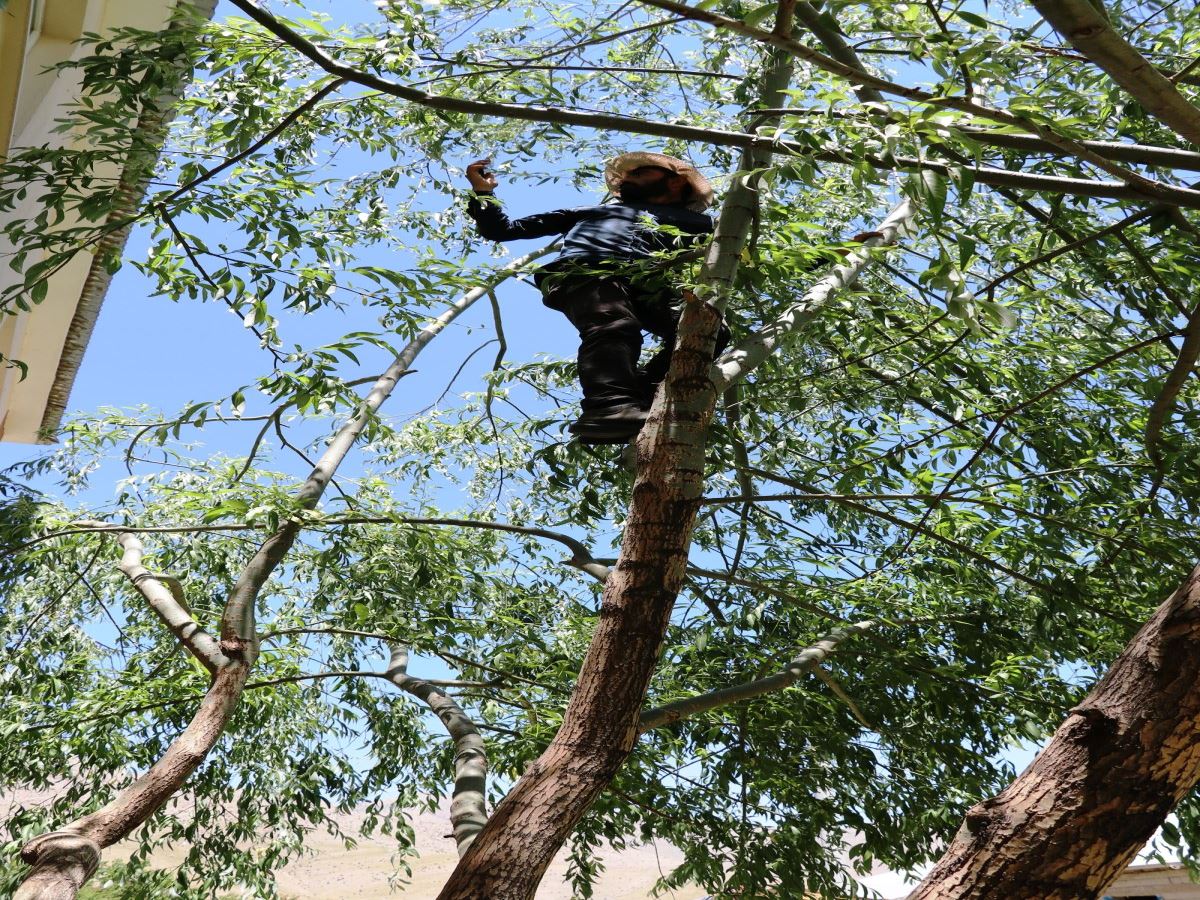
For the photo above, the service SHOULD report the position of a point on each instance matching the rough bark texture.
(1069, 825)
(508, 859)
(600, 727)
(62, 861)
(135, 804)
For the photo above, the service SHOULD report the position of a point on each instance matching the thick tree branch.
(1185, 364)
(1129, 746)
(807, 659)
(468, 803)
(61, 863)
(1091, 33)
(810, 17)
(1145, 187)
(983, 175)
(239, 641)
(600, 725)
(1140, 154)
(169, 604)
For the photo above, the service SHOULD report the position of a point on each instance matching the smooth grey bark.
(162, 594)
(1083, 24)
(740, 360)
(468, 801)
(55, 857)
(805, 661)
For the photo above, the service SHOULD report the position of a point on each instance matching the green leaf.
(760, 14)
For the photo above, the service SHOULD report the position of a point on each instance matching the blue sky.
(166, 354)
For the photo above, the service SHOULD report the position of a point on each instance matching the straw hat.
(615, 169)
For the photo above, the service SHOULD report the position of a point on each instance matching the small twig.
(806, 660)
(274, 416)
(360, 673)
(990, 287)
(497, 363)
(840, 693)
(962, 67)
(49, 606)
(1013, 410)
(283, 124)
(1185, 71)
(182, 240)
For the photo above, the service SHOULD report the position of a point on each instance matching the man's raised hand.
(479, 176)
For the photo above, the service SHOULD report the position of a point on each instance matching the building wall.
(33, 35)
(1155, 882)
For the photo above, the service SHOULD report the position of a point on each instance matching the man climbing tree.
(965, 466)
(610, 278)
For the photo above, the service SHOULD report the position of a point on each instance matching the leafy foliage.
(956, 450)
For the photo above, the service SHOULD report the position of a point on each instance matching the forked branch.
(52, 856)
(806, 660)
(165, 596)
(1083, 24)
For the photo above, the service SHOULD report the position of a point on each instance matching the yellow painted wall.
(31, 99)
(14, 27)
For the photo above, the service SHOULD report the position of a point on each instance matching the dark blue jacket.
(612, 231)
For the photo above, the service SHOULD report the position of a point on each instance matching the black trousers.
(610, 313)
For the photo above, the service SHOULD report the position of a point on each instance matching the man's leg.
(610, 343)
(659, 315)
(661, 320)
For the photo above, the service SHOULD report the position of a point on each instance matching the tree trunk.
(601, 724)
(508, 859)
(1118, 765)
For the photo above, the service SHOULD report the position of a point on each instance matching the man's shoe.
(627, 418)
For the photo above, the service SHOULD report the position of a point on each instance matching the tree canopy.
(970, 472)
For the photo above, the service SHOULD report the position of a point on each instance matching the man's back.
(611, 231)
(600, 282)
